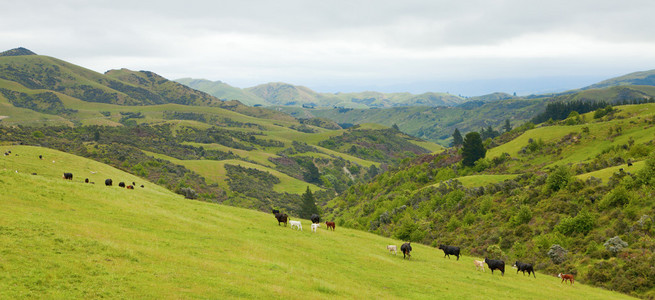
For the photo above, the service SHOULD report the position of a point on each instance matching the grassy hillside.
(64, 239)
(178, 137)
(636, 78)
(576, 184)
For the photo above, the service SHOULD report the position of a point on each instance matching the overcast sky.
(461, 47)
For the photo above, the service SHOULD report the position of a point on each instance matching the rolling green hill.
(636, 78)
(575, 184)
(64, 239)
(182, 138)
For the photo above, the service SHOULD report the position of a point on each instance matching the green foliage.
(523, 216)
(46, 102)
(494, 252)
(601, 112)
(560, 110)
(308, 206)
(458, 140)
(383, 145)
(558, 179)
(472, 149)
(406, 229)
(38, 134)
(618, 197)
(507, 127)
(582, 223)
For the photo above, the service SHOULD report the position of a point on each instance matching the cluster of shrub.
(553, 219)
(46, 102)
(380, 145)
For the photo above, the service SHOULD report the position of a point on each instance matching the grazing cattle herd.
(406, 248)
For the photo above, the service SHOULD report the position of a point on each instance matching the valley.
(556, 192)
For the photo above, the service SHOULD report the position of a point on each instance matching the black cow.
(495, 264)
(86, 180)
(406, 248)
(524, 267)
(121, 184)
(449, 250)
(315, 219)
(276, 211)
(282, 218)
(40, 156)
(68, 176)
(108, 182)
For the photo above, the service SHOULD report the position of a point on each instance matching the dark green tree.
(457, 138)
(472, 149)
(308, 205)
(312, 175)
(507, 126)
(372, 171)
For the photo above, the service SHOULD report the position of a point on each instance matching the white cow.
(478, 265)
(315, 226)
(392, 248)
(295, 223)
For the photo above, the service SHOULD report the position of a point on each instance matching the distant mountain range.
(285, 94)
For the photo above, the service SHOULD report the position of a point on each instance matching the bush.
(523, 216)
(582, 223)
(557, 254)
(494, 252)
(619, 196)
(558, 179)
(615, 245)
(188, 193)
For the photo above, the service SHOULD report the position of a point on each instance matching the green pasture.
(214, 172)
(605, 174)
(482, 180)
(601, 136)
(64, 240)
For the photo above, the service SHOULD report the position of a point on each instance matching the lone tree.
(472, 149)
(507, 127)
(308, 206)
(457, 138)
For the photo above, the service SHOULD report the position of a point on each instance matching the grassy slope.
(595, 142)
(214, 171)
(73, 240)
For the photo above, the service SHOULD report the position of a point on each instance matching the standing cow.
(330, 225)
(449, 250)
(406, 248)
(282, 218)
(566, 277)
(68, 176)
(495, 264)
(108, 182)
(315, 219)
(524, 267)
